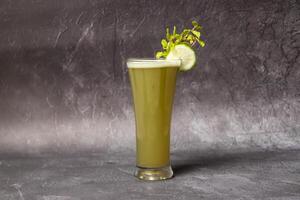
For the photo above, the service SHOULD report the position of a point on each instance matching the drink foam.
(152, 63)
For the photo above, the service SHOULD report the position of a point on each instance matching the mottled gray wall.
(64, 83)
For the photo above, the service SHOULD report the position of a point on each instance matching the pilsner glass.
(153, 84)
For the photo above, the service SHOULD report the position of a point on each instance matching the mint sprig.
(187, 36)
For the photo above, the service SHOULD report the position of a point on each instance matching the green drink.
(153, 85)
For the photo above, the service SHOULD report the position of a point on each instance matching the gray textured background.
(64, 83)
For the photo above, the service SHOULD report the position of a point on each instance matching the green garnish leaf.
(201, 43)
(164, 44)
(187, 36)
(159, 54)
(194, 23)
(174, 30)
(196, 33)
(168, 34)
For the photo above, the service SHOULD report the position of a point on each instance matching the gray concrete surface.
(64, 84)
(199, 175)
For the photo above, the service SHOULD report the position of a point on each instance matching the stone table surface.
(252, 175)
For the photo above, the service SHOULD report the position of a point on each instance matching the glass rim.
(151, 60)
(152, 63)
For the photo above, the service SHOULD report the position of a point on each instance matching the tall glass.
(153, 85)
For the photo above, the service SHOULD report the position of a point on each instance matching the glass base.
(154, 174)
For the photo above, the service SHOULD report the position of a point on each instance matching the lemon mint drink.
(153, 84)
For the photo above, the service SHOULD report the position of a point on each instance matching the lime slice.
(186, 54)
